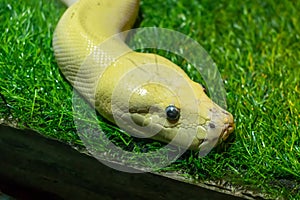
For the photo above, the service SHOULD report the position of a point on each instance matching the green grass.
(255, 44)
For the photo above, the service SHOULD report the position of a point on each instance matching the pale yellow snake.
(97, 75)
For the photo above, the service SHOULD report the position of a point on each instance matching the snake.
(123, 85)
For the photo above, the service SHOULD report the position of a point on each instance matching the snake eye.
(173, 113)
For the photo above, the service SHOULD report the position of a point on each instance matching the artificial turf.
(256, 46)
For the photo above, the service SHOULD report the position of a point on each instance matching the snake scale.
(165, 108)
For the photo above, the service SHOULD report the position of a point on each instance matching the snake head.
(166, 105)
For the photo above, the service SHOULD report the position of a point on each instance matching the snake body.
(84, 26)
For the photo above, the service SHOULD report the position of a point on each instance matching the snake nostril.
(228, 119)
(212, 125)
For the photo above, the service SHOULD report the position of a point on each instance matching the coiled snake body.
(97, 76)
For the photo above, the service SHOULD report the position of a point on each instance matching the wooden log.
(48, 168)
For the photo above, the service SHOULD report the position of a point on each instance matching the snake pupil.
(173, 113)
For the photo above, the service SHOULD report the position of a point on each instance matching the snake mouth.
(229, 128)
